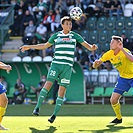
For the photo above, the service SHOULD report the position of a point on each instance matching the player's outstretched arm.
(5, 67)
(89, 46)
(97, 63)
(38, 46)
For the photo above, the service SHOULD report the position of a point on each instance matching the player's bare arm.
(5, 67)
(127, 54)
(38, 46)
(89, 46)
(97, 63)
(1, 63)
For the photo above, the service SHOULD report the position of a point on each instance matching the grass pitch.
(71, 119)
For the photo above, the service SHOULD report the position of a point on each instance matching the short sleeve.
(51, 39)
(106, 56)
(79, 38)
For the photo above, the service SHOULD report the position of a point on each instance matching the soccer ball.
(76, 13)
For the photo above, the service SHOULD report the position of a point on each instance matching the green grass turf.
(71, 119)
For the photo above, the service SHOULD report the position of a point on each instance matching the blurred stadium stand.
(6, 19)
(101, 29)
(98, 30)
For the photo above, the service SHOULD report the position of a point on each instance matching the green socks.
(59, 102)
(42, 95)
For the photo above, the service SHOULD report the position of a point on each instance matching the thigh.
(53, 72)
(65, 76)
(3, 100)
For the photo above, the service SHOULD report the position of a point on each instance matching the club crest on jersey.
(119, 58)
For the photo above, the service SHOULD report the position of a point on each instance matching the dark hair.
(117, 38)
(65, 18)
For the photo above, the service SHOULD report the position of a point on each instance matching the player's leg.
(51, 77)
(123, 85)
(116, 107)
(64, 81)
(3, 106)
(59, 102)
(55, 91)
(42, 96)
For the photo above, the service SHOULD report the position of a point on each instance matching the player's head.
(66, 23)
(116, 40)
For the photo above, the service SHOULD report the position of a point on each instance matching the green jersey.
(65, 45)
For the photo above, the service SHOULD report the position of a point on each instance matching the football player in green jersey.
(61, 66)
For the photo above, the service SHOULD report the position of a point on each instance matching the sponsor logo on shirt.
(64, 39)
(117, 64)
(65, 81)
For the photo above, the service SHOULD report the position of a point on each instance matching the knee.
(113, 101)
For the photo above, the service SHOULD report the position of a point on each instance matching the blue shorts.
(123, 85)
(2, 89)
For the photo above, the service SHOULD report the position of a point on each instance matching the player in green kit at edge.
(122, 60)
(61, 66)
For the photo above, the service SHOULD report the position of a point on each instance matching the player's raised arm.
(97, 63)
(127, 54)
(38, 46)
(89, 46)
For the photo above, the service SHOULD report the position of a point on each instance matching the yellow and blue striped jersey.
(120, 62)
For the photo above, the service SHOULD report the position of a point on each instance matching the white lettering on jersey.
(65, 81)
